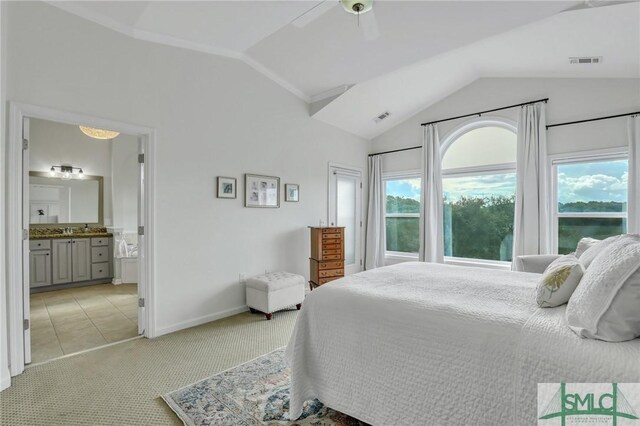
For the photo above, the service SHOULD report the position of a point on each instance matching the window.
(591, 198)
(402, 214)
(479, 185)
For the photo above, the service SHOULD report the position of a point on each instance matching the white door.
(26, 213)
(142, 262)
(345, 205)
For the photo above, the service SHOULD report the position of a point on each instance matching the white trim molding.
(200, 320)
(14, 176)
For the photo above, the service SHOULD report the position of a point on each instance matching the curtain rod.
(453, 118)
(484, 112)
(593, 119)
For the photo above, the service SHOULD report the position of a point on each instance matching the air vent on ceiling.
(585, 59)
(382, 116)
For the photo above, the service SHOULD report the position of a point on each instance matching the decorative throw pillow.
(559, 281)
(584, 244)
(605, 304)
(589, 254)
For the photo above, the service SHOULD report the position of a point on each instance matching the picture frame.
(292, 192)
(227, 187)
(261, 191)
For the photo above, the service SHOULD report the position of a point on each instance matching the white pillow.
(590, 254)
(606, 304)
(584, 244)
(559, 281)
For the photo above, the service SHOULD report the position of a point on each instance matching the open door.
(345, 203)
(26, 287)
(142, 255)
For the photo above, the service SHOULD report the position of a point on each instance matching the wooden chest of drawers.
(327, 255)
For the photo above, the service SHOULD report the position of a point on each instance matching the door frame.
(16, 260)
(354, 171)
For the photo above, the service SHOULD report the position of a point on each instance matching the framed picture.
(226, 187)
(292, 192)
(261, 191)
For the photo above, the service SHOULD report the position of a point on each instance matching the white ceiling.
(430, 39)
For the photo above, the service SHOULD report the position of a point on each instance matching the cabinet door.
(61, 261)
(81, 255)
(39, 268)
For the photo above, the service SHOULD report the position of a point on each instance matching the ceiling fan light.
(101, 134)
(357, 6)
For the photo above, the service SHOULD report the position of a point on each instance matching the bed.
(423, 343)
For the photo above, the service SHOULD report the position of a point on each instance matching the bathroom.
(83, 238)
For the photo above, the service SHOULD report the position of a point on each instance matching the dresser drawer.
(99, 254)
(326, 273)
(39, 244)
(330, 265)
(332, 257)
(331, 236)
(330, 230)
(99, 270)
(326, 280)
(329, 252)
(332, 247)
(100, 241)
(332, 241)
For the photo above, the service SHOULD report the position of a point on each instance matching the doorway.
(81, 269)
(345, 207)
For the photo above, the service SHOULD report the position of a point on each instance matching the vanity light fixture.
(101, 134)
(66, 172)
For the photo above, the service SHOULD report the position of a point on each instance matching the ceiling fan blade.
(369, 25)
(314, 13)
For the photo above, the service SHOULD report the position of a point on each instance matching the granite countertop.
(57, 233)
(74, 235)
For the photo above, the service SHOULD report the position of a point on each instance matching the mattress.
(422, 343)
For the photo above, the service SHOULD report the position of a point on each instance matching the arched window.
(479, 184)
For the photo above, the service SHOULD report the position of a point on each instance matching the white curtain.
(531, 234)
(431, 226)
(375, 241)
(633, 208)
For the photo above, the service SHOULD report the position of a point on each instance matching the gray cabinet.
(61, 261)
(70, 260)
(39, 268)
(81, 259)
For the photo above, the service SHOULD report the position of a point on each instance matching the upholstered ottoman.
(274, 291)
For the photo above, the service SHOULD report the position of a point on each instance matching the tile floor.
(72, 320)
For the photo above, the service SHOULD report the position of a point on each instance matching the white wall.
(214, 116)
(56, 144)
(124, 179)
(569, 99)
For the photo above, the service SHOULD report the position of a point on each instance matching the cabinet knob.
(100, 270)
(47, 254)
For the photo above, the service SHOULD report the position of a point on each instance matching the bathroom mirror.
(55, 200)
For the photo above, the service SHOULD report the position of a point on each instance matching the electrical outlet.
(243, 278)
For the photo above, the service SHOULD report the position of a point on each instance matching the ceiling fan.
(363, 9)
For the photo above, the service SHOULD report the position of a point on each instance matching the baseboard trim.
(201, 320)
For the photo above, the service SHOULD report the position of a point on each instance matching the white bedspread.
(428, 344)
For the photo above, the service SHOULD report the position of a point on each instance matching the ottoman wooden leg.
(298, 306)
(268, 316)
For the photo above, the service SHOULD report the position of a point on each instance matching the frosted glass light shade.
(99, 133)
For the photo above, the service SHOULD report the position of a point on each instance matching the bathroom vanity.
(62, 260)
(68, 245)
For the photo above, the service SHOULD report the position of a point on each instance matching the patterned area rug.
(255, 393)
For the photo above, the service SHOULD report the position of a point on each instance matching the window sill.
(392, 258)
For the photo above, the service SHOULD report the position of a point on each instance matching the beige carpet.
(121, 384)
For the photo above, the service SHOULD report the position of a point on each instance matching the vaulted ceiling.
(417, 38)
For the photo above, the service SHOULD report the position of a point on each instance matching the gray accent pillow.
(606, 304)
(559, 281)
(584, 244)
